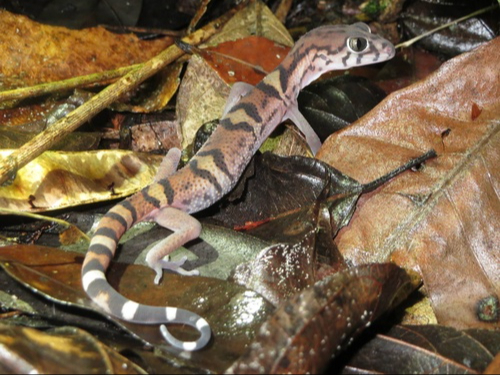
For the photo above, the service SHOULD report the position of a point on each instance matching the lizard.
(250, 115)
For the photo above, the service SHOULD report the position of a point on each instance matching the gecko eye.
(357, 45)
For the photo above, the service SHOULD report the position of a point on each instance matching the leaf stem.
(370, 186)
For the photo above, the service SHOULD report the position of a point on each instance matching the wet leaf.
(426, 349)
(300, 226)
(215, 254)
(422, 16)
(56, 179)
(443, 220)
(234, 313)
(307, 330)
(272, 185)
(275, 186)
(332, 104)
(281, 270)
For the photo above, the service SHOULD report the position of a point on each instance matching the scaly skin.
(216, 168)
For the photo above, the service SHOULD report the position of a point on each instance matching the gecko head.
(336, 47)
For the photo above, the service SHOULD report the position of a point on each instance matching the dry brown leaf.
(56, 180)
(254, 19)
(443, 221)
(34, 53)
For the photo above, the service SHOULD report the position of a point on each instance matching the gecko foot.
(175, 266)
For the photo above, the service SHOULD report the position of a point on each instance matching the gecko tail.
(181, 316)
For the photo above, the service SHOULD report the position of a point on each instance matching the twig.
(66, 84)
(282, 10)
(85, 112)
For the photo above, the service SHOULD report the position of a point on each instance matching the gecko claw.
(175, 266)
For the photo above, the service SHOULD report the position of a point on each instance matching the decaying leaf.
(255, 19)
(34, 53)
(281, 270)
(443, 221)
(154, 94)
(56, 179)
(274, 186)
(316, 324)
(248, 60)
(153, 133)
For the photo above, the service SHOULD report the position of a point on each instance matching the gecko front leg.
(300, 121)
(185, 228)
(169, 164)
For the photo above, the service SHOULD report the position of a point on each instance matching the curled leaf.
(57, 179)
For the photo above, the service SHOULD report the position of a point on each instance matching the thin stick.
(65, 84)
(417, 38)
(370, 186)
(85, 112)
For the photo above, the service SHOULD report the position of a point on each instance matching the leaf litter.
(443, 135)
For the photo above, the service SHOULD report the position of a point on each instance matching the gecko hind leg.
(185, 228)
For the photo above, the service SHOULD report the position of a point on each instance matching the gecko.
(250, 115)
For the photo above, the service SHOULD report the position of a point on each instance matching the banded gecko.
(251, 114)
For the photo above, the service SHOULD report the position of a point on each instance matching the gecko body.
(251, 114)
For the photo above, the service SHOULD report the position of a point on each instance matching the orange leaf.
(36, 53)
(247, 60)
